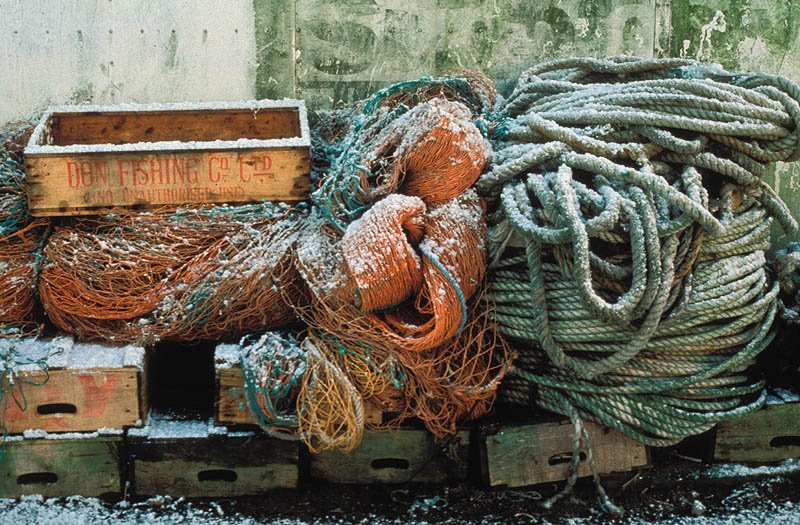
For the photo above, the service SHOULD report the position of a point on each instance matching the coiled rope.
(629, 225)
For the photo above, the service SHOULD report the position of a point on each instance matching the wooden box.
(65, 386)
(396, 456)
(60, 467)
(768, 435)
(197, 459)
(516, 456)
(230, 407)
(82, 159)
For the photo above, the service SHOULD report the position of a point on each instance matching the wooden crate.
(230, 407)
(396, 456)
(85, 387)
(516, 456)
(203, 464)
(82, 159)
(60, 467)
(767, 435)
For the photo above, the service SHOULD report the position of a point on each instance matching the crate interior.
(127, 127)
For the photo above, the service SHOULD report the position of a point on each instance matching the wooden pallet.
(85, 159)
(767, 435)
(68, 398)
(396, 456)
(230, 408)
(516, 456)
(60, 467)
(228, 465)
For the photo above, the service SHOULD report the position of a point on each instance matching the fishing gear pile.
(392, 260)
(629, 223)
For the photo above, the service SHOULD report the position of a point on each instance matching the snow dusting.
(63, 352)
(163, 425)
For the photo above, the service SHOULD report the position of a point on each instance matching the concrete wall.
(61, 51)
(108, 51)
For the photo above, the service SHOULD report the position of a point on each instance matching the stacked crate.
(68, 406)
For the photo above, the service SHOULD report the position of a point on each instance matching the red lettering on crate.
(97, 395)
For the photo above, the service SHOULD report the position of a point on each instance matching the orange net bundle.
(417, 137)
(447, 156)
(453, 267)
(434, 355)
(20, 237)
(181, 275)
(379, 252)
(18, 269)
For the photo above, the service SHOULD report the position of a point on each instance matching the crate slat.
(516, 456)
(213, 467)
(396, 456)
(768, 435)
(58, 468)
(77, 401)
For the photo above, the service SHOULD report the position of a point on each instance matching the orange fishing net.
(183, 275)
(380, 256)
(18, 268)
(434, 355)
(458, 380)
(448, 158)
(453, 266)
(435, 145)
(472, 88)
(20, 237)
(419, 138)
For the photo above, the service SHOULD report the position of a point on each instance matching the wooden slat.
(213, 467)
(396, 456)
(125, 127)
(767, 435)
(228, 411)
(59, 468)
(517, 456)
(82, 183)
(83, 401)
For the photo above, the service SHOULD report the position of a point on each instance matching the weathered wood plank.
(58, 468)
(767, 435)
(123, 127)
(79, 184)
(77, 401)
(396, 456)
(213, 467)
(517, 456)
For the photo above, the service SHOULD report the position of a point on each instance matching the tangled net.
(627, 248)
(400, 305)
(296, 393)
(416, 137)
(182, 275)
(21, 238)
